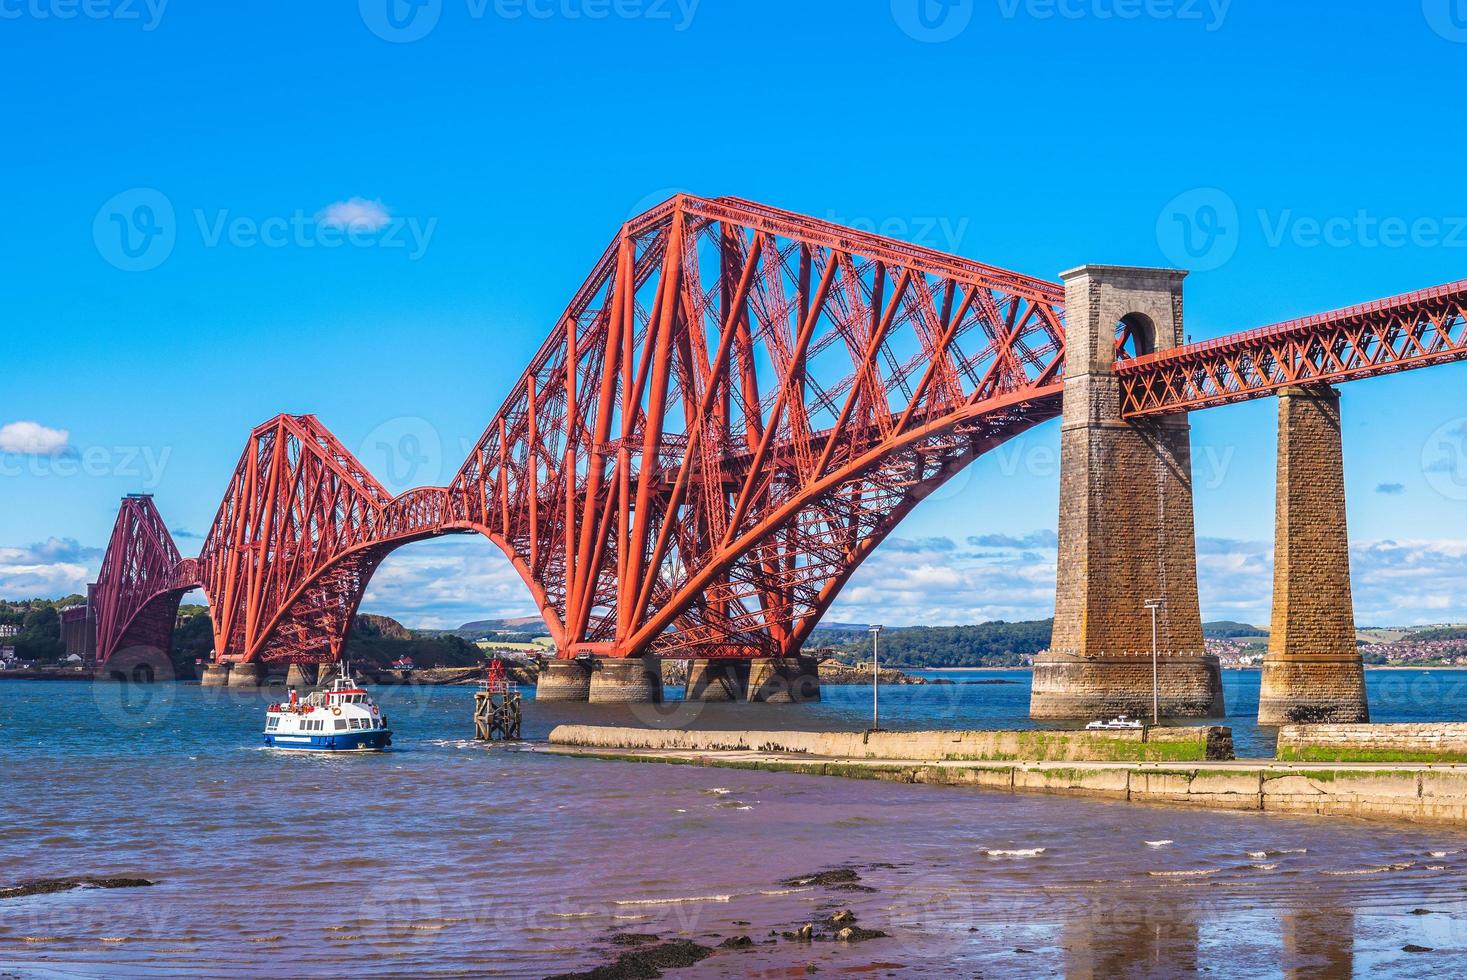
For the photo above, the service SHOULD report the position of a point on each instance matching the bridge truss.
(738, 405)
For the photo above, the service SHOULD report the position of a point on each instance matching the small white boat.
(340, 718)
(1119, 722)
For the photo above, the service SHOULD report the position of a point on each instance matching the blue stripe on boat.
(331, 741)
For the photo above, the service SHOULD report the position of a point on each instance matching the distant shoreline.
(975, 669)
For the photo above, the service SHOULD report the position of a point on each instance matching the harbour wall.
(1191, 744)
(1431, 742)
(1415, 792)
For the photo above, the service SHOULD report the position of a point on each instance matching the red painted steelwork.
(143, 578)
(736, 408)
(1409, 331)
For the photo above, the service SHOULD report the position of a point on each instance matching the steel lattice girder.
(738, 405)
(1409, 331)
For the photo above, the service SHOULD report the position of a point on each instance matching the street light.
(1154, 605)
(875, 681)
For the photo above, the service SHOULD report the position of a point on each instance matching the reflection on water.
(1318, 943)
(1111, 946)
(451, 857)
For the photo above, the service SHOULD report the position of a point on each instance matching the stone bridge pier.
(1125, 521)
(1313, 671)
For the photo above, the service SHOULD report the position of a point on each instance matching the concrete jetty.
(1156, 772)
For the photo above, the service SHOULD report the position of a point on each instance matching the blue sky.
(1298, 156)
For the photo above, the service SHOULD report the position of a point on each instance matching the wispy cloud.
(355, 214)
(33, 439)
(1034, 539)
(1390, 489)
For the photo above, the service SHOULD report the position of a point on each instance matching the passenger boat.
(1118, 723)
(340, 718)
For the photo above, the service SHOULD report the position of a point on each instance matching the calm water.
(448, 857)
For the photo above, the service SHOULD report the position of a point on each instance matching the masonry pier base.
(626, 680)
(717, 680)
(215, 675)
(564, 680)
(301, 675)
(1076, 687)
(246, 675)
(784, 680)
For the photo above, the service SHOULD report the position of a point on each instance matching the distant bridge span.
(736, 408)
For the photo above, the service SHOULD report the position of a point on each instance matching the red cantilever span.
(736, 407)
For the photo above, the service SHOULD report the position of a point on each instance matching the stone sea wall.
(1192, 744)
(1431, 742)
(1421, 795)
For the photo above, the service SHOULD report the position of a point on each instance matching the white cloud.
(444, 583)
(927, 582)
(32, 439)
(355, 214)
(48, 570)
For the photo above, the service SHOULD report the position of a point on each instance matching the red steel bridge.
(733, 412)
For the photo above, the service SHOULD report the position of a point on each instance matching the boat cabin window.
(340, 725)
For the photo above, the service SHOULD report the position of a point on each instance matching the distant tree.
(995, 644)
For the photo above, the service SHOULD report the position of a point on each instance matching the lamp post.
(1154, 605)
(875, 681)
